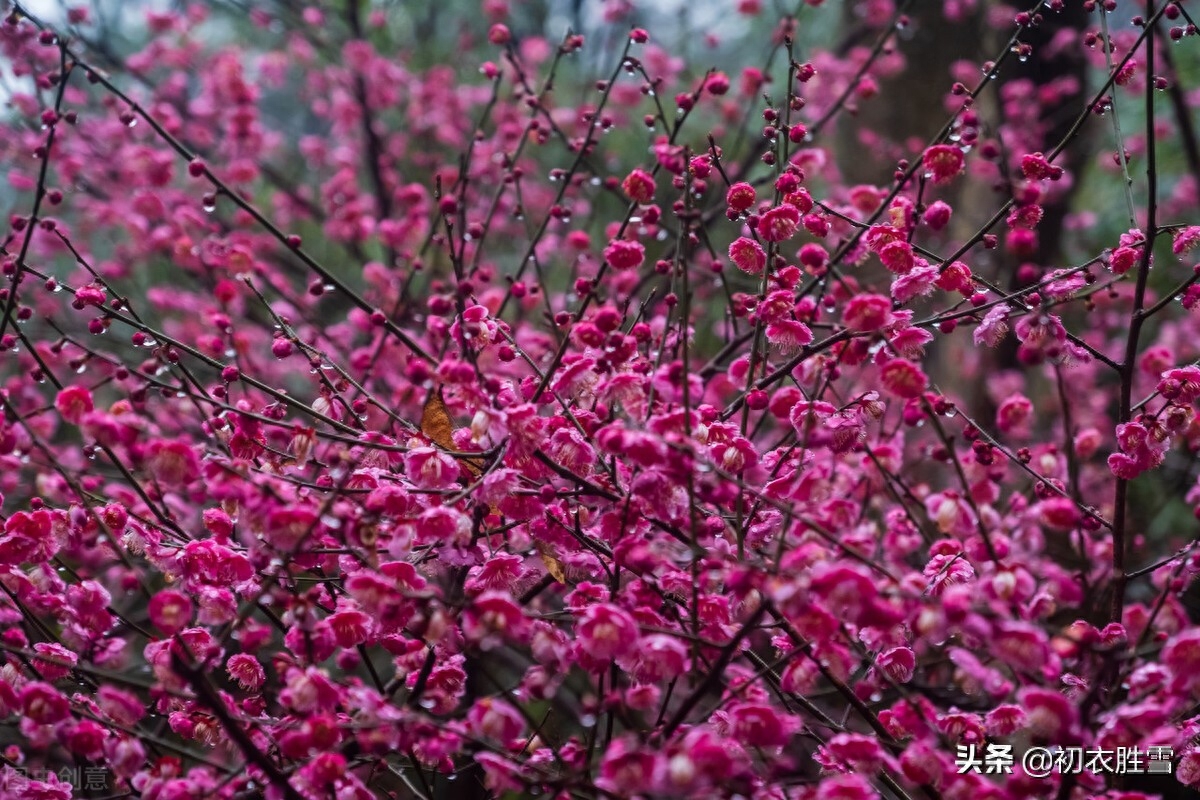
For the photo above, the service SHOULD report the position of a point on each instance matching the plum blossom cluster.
(564, 417)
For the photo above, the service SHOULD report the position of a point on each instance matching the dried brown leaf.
(553, 565)
(435, 421)
(439, 428)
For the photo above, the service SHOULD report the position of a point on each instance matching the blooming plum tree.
(385, 422)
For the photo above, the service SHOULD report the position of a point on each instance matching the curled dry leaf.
(435, 421)
(439, 428)
(553, 565)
